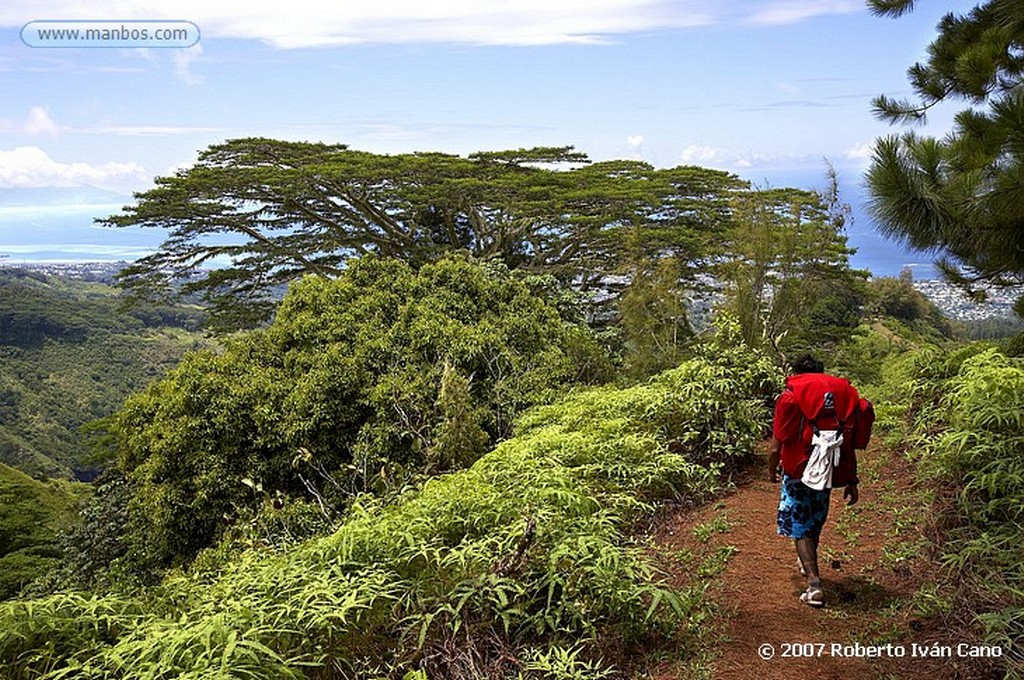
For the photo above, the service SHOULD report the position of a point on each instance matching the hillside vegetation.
(438, 463)
(509, 564)
(70, 355)
(361, 384)
(960, 415)
(32, 513)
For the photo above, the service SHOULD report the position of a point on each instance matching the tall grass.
(517, 566)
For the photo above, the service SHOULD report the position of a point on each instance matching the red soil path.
(866, 590)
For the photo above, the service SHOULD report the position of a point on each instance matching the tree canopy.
(266, 212)
(962, 196)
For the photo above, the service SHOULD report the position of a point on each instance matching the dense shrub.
(359, 384)
(31, 515)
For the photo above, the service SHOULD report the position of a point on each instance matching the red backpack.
(855, 414)
(827, 402)
(863, 420)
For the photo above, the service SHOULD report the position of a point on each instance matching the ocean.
(67, 234)
(883, 257)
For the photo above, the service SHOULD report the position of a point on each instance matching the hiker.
(819, 419)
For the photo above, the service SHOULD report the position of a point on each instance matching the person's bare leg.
(807, 551)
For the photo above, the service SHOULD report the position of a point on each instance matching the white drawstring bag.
(824, 459)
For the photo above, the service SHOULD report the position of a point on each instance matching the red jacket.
(798, 405)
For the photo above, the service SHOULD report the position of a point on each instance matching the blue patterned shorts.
(802, 510)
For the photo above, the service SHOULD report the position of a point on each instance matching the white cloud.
(311, 23)
(30, 166)
(860, 152)
(39, 122)
(182, 60)
(793, 11)
(36, 122)
(730, 159)
(635, 147)
(700, 155)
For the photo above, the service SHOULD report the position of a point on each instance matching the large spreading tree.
(961, 196)
(267, 212)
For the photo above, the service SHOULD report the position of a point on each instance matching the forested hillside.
(511, 564)
(32, 514)
(511, 414)
(69, 355)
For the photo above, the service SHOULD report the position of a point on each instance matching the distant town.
(955, 305)
(100, 272)
(947, 297)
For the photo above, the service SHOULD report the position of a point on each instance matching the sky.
(768, 89)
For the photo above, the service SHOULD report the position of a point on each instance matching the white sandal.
(813, 597)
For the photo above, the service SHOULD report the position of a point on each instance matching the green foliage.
(460, 438)
(654, 323)
(861, 357)
(68, 356)
(93, 546)
(965, 412)
(360, 384)
(31, 515)
(787, 273)
(37, 307)
(1015, 347)
(560, 663)
(998, 328)
(898, 319)
(961, 195)
(522, 559)
(898, 299)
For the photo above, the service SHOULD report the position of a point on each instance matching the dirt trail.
(866, 585)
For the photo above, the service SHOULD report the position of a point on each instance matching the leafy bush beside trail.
(492, 570)
(965, 412)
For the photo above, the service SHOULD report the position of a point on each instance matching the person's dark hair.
(807, 364)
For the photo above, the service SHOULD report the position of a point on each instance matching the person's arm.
(774, 451)
(784, 424)
(851, 493)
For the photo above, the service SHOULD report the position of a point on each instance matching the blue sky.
(764, 88)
